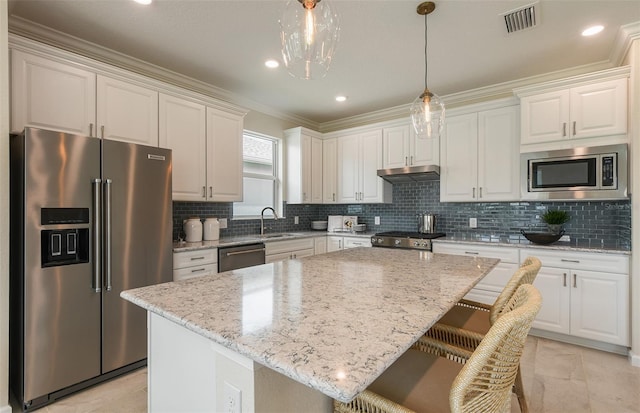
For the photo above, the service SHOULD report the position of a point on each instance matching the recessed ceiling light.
(145, 2)
(272, 64)
(592, 30)
(341, 98)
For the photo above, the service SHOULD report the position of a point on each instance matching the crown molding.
(39, 33)
(562, 83)
(625, 37)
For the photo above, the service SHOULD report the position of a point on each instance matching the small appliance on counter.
(341, 223)
(403, 239)
(211, 229)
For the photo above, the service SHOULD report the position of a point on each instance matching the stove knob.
(425, 243)
(397, 242)
(380, 240)
(416, 243)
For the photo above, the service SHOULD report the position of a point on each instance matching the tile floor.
(558, 377)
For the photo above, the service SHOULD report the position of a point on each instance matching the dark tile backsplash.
(593, 223)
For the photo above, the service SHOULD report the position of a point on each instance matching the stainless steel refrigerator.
(89, 219)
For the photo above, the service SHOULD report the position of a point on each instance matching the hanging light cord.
(425, 50)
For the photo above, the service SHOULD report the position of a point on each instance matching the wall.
(265, 124)
(601, 224)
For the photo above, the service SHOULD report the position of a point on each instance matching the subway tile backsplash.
(593, 223)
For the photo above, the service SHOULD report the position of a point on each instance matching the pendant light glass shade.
(427, 111)
(309, 30)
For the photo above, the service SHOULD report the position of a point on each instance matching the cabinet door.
(316, 171)
(459, 159)
(329, 171)
(498, 155)
(224, 156)
(600, 306)
(50, 95)
(127, 112)
(334, 243)
(545, 117)
(554, 287)
(423, 151)
(183, 130)
(599, 109)
(395, 147)
(371, 186)
(319, 245)
(348, 169)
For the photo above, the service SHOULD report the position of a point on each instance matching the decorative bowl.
(542, 238)
(319, 225)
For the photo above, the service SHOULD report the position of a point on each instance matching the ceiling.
(379, 62)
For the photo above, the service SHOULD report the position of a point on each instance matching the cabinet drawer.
(505, 254)
(191, 272)
(289, 255)
(354, 242)
(581, 260)
(195, 258)
(277, 247)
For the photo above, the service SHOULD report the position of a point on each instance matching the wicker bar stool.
(478, 318)
(419, 382)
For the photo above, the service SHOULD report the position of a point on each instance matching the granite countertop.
(181, 246)
(333, 321)
(519, 242)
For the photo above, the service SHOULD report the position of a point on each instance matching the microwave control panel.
(608, 171)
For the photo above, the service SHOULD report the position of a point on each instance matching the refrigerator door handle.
(107, 233)
(96, 284)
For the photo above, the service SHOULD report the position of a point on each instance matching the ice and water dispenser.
(66, 244)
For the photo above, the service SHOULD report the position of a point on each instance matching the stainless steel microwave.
(598, 172)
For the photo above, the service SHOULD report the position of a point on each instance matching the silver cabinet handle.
(334, 196)
(574, 128)
(197, 258)
(204, 191)
(411, 160)
(198, 270)
(91, 129)
(340, 244)
(244, 252)
(564, 279)
(304, 196)
(210, 192)
(471, 252)
(480, 192)
(356, 196)
(574, 261)
(474, 193)
(102, 131)
(575, 281)
(107, 232)
(406, 161)
(564, 128)
(96, 284)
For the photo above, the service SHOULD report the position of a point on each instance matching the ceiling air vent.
(522, 18)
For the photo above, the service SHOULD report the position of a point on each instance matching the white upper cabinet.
(127, 112)
(48, 94)
(575, 115)
(304, 166)
(480, 156)
(402, 147)
(359, 158)
(182, 129)
(330, 171)
(224, 156)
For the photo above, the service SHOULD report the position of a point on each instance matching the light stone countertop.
(333, 322)
(252, 239)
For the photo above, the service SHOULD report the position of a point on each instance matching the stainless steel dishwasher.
(241, 256)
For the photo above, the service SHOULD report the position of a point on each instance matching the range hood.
(410, 174)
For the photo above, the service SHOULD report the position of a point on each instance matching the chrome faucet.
(275, 217)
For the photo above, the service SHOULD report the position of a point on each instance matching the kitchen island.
(292, 334)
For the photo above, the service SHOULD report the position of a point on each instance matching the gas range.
(402, 239)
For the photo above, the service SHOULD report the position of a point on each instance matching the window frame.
(276, 178)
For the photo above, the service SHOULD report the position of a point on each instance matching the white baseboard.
(5, 409)
(634, 359)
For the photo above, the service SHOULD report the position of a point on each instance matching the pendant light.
(309, 30)
(427, 111)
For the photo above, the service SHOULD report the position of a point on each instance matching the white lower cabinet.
(338, 242)
(584, 295)
(319, 245)
(289, 249)
(190, 264)
(488, 289)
